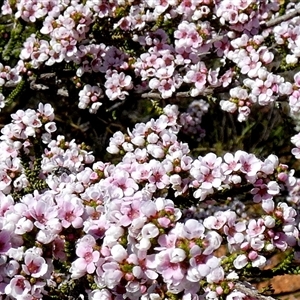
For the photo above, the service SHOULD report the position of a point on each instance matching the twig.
(249, 290)
(47, 75)
(63, 92)
(115, 106)
(37, 86)
(280, 19)
(158, 96)
(267, 24)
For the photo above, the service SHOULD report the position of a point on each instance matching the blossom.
(103, 294)
(250, 164)
(255, 228)
(34, 266)
(18, 287)
(86, 263)
(70, 214)
(192, 229)
(112, 274)
(171, 271)
(241, 261)
(44, 213)
(117, 85)
(133, 227)
(89, 96)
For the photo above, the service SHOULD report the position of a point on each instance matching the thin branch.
(266, 24)
(158, 96)
(115, 106)
(47, 75)
(249, 290)
(151, 96)
(280, 19)
(37, 86)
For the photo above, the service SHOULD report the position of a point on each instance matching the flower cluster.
(155, 222)
(118, 225)
(90, 95)
(89, 37)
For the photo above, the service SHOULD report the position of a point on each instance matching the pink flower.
(5, 181)
(264, 191)
(112, 274)
(34, 266)
(192, 229)
(44, 213)
(158, 175)
(250, 64)
(18, 287)
(86, 263)
(233, 230)
(149, 231)
(166, 86)
(256, 228)
(172, 272)
(250, 164)
(117, 85)
(212, 242)
(201, 265)
(144, 267)
(280, 241)
(130, 210)
(89, 95)
(166, 241)
(122, 180)
(259, 261)
(70, 213)
(6, 202)
(207, 173)
(103, 294)
(231, 164)
(215, 222)
(197, 75)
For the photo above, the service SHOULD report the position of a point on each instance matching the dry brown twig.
(279, 19)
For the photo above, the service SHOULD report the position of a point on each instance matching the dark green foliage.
(16, 92)
(14, 40)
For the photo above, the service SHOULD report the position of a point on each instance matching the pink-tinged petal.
(90, 268)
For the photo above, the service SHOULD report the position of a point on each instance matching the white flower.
(118, 253)
(228, 106)
(259, 262)
(273, 188)
(291, 59)
(269, 222)
(150, 231)
(177, 255)
(240, 262)
(232, 276)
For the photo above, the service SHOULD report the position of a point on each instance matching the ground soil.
(285, 287)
